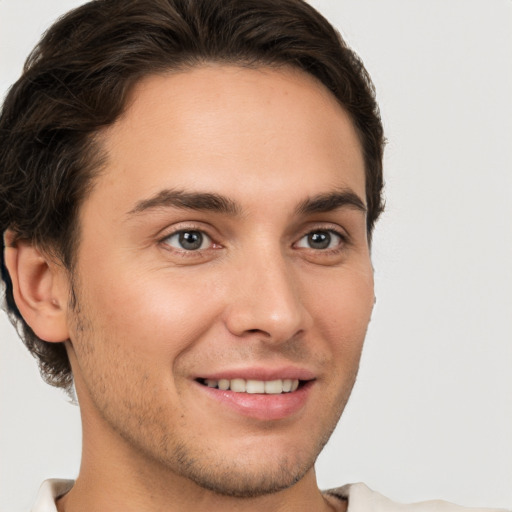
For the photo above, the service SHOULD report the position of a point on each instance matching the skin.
(154, 316)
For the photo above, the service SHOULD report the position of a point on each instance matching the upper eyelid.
(192, 255)
(344, 243)
(213, 234)
(167, 233)
(326, 226)
(184, 226)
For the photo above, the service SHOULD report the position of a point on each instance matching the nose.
(266, 300)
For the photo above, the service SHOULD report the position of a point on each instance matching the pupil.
(191, 240)
(319, 240)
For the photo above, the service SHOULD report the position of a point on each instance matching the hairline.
(97, 164)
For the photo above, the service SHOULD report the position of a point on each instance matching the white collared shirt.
(360, 499)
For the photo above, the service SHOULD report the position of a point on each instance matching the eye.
(321, 240)
(189, 240)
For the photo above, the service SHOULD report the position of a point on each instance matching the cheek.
(155, 310)
(342, 310)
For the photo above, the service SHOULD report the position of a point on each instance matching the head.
(96, 73)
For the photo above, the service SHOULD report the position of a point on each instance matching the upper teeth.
(273, 387)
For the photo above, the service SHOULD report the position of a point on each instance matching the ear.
(40, 288)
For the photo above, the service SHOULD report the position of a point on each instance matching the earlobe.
(39, 289)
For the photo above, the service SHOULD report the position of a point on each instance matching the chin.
(251, 470)
(235, 480)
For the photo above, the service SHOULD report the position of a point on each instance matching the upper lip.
(261, 373)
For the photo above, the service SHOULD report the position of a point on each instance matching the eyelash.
(184, 252)
(343, 241)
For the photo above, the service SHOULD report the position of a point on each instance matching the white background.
(431, 414)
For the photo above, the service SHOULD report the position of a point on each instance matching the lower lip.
(262, 406)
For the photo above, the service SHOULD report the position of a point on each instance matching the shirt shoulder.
(362, 499)
(49, 491)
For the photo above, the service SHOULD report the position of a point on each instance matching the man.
(188, 195)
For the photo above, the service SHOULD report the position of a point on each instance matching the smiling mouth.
(267, 387)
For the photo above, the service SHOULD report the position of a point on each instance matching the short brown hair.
(77, 79)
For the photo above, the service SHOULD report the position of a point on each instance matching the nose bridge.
(266, 298)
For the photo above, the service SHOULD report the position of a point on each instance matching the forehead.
(254, 131)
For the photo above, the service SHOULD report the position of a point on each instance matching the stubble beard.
(228, 478)
(157, 444)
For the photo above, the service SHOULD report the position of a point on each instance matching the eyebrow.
(207, 201)
(332, 201)
(201, 201)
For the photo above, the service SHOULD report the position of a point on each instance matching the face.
(223, 278)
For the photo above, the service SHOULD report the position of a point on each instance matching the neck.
(114, 477)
